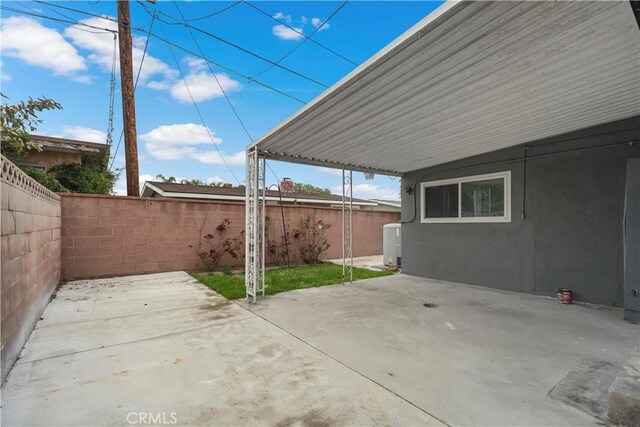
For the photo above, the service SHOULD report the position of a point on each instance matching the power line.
(209, 15)
(225, 95)
(195, 105)
(135, 85)
(235, 112)
(303, 41)
(71, 9)
(302, 34)
(162, 39)
(231, 70)
(238, 47)
(66, 21)
(112, 93)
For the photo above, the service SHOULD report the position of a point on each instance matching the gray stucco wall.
(566, 227)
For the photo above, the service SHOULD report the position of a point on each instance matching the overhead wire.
(195, 105)
(238, 47)
(160, 38)
(112, 93)
(71, 9)
(135, 85)
(66, 21)
(224, 67)
(235, 112)
(209, 61)
(242, 124)
(303, 41)
(224, 92)
(209, 15)
(302, 34)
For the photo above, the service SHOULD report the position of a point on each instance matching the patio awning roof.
(471, 78)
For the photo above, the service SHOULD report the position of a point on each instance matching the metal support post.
(347, 226)
(255, 195)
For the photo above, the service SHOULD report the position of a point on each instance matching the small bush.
(313, 242)
(278, 248)
(46, 179)
(218, 244)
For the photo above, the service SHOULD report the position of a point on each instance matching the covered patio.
(469, 79)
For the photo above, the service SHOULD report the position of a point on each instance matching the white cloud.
(196, 64)
(144, 178)
(120, 189)
(330, 171)
(180, 134)
(82, 133)
(3, 76)
(101, 45)
(285, 33)
(282, 17)
(370, 191)
(214, 179)
(182, 141)
(32, 42)
(82, 79)
(214, 158)
(316, 22)
(159, 85)
(203, 86)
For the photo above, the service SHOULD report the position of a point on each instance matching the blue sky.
(41, 57)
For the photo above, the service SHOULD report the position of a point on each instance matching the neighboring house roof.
(392, 203)
(50, 143)
(176, 190)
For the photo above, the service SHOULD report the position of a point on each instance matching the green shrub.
(46, 179)
(84, 178)
(313, 242)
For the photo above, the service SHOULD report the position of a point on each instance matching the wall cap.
(14, 176)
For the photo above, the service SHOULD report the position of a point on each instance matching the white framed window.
(478, 198)
(42, 168)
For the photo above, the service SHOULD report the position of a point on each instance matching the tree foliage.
(308, 188)
(84, 178)
(194, 181)
(18, 121)
(46, 179)
(168, 180)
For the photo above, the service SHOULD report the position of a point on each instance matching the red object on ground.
(567, 296)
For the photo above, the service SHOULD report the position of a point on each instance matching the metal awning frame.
(290, 158)
(255, 224)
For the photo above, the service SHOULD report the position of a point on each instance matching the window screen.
(441, 201)
(483, 198)
(478, 198)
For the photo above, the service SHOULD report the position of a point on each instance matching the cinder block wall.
(107, 235)
(30, 258)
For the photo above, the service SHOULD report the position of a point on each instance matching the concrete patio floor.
(107, 351)
(480, 357)
(363, 354)
(371, 262)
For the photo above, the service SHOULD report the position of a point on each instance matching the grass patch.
(282, 280)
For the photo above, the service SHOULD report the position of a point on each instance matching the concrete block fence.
(30, 256)
(108, 236)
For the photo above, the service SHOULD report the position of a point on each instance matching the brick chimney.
(286, 186)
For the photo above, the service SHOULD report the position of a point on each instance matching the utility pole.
(128, 101)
